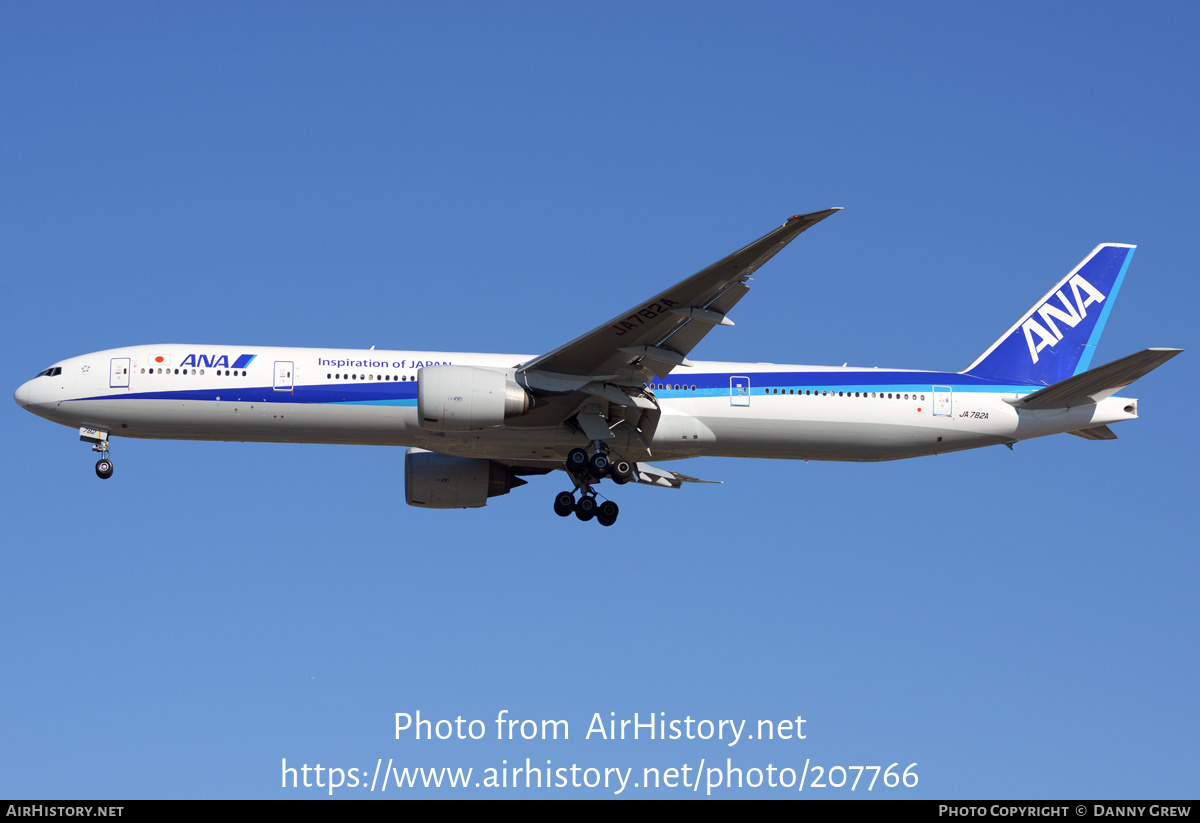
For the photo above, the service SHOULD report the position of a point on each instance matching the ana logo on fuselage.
(1071, 313)
(217, 361)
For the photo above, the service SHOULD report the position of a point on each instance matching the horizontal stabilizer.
(654, 476)
(1099, 383)
(1096, 433)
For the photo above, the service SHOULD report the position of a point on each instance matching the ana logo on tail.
(1085, 294)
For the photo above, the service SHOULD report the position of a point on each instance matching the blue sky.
(501, 178)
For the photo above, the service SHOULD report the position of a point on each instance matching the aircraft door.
(284, 380)
(118, 373)
(739, 391)
(943, 401)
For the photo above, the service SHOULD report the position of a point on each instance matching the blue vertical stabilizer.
(1057, 337)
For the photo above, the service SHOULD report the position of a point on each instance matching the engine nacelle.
(465, 398)
(435, 481)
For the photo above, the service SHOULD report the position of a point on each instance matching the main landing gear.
(586, 507)
(585, 471)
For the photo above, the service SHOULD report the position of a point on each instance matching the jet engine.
(465, 398)
(435, 481)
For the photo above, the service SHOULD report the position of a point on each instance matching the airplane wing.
(613, 361)
(660, 332)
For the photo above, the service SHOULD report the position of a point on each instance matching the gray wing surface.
(655, 336)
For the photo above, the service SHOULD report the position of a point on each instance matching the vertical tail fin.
(1056, 338)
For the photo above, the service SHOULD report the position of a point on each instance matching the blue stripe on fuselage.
(714, 384)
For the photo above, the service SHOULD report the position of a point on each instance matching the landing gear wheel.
(607, 514)
(104, 468)
(564, 503)
(577, 459)
(599, 464)
(622, 472)
(585, 509)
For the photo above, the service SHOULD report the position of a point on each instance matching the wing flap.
(686, 338)
(654, 476)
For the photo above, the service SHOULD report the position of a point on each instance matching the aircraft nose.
(23, 395)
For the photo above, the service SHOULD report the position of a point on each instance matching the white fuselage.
(305, 395)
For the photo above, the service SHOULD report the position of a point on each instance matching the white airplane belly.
(853, 428)
(238, 420)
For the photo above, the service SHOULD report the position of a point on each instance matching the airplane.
(608, 402)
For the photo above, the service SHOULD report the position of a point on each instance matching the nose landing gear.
(99, 440)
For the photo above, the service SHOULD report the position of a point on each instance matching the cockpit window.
(53, 371)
